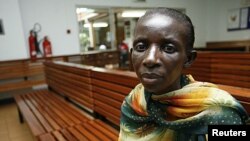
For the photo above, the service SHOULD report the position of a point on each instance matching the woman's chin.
(151, 88)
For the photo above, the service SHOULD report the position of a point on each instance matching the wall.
(12, 43)
(217, 21)
(56, 16)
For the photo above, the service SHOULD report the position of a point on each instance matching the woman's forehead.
(157, 21)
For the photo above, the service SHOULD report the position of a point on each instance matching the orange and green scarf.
(179, 115)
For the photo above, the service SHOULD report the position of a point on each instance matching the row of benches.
(20, 74)
(98, 91)
(221, 68)
(16, 75)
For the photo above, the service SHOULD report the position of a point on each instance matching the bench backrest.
(109, 90)
(16, 75)
(222, 68)
(70, 80)
(239, 44)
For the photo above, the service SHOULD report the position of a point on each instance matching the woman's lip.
(150, 78)
(150, 75)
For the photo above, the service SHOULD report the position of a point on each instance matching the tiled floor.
(10, 127)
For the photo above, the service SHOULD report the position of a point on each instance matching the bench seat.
(47, 113)
(92, 130)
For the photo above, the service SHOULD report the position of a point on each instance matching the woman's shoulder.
(215, 115)
(220, 115)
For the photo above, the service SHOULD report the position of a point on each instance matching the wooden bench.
(231, 69)
(242, 45)
(93, 130)
(47, 113)
(71, 82)
(109, 90)
(99, 91)
(16, 75)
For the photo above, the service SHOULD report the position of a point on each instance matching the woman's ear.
(190, 58)
(130, 60)
(130, 51)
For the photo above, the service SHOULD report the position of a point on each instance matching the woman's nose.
(152, 57)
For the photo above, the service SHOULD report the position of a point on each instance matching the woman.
(167, 105)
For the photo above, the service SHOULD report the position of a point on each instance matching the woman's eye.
(169, 48)
(140, 47)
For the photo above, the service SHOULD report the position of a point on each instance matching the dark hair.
(177, 15)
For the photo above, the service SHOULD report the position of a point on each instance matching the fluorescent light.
(100, 24)
(85, 13)
(85, 16)
(131, 14)
(90, 15)
(84, 10)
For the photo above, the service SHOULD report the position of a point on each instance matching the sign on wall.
(238, 19)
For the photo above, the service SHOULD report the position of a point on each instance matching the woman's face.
(159, 53)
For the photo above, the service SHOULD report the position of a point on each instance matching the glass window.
(106, 28)
(94, 28)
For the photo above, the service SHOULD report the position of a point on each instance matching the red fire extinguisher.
(32, 46)
(47, 51)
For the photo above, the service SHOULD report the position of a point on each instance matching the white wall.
(56, 16)
(12, 43)
(217, 21)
